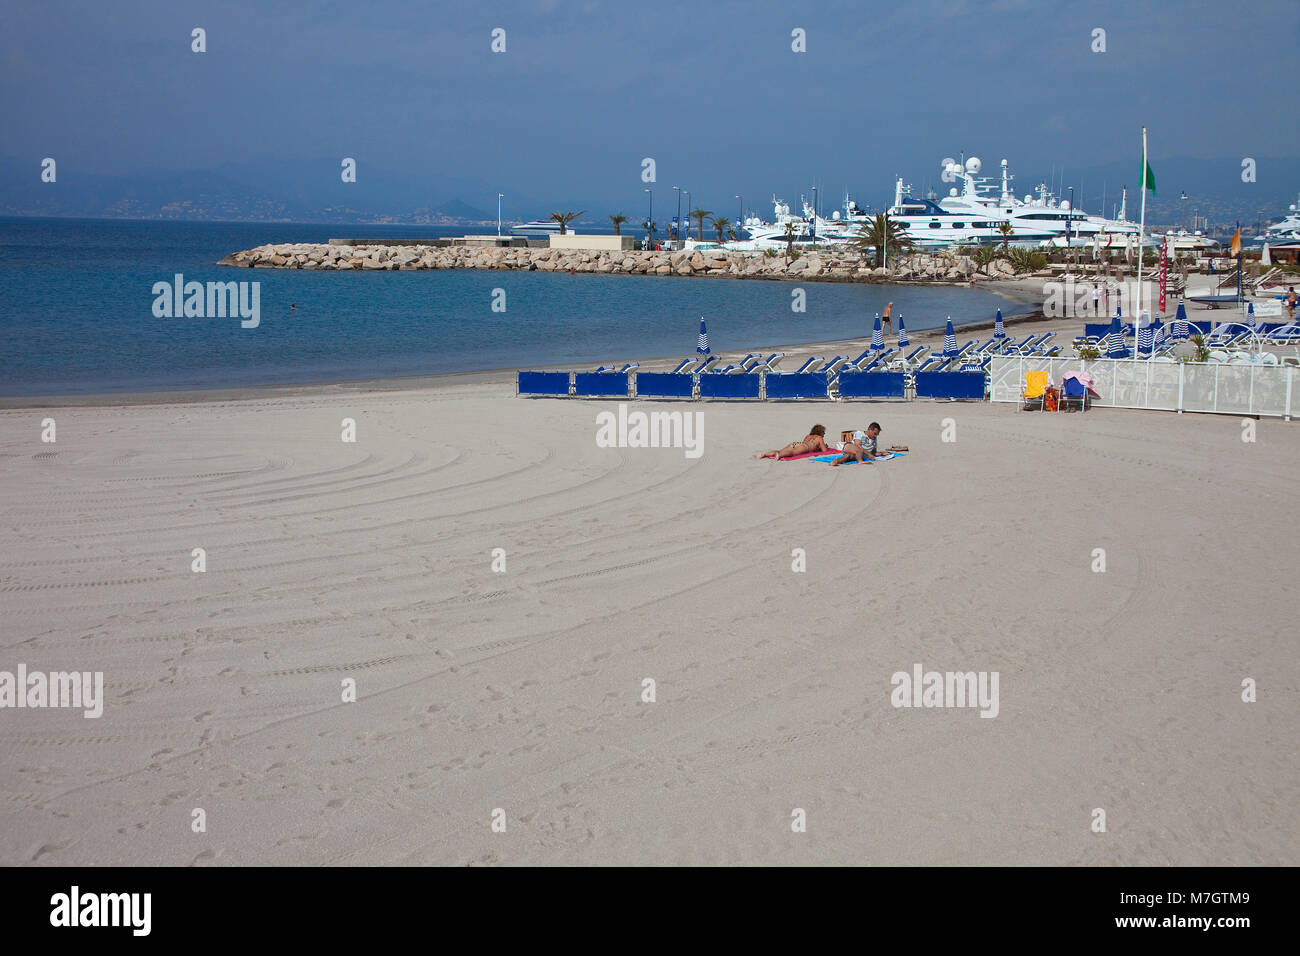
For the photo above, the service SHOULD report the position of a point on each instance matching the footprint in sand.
(48, 848)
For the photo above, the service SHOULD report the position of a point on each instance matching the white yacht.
(1288, 230)
(538, 227)
(1035, 221)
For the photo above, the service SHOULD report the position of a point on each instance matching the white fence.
(1173, 386)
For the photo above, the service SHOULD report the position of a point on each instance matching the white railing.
(1173, 386)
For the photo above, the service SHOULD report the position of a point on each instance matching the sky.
(711, 91)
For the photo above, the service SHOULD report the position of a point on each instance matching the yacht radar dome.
(948, 163)
(953, 191)
(973, 165)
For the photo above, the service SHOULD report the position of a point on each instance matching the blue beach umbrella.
(949, 341)
(1181, 330)
(877, 343)
(998, 331)
(703, 347)
(902, 333)
(1115, 347)
(1146, 336)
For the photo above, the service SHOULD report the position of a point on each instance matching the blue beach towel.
(884, 457)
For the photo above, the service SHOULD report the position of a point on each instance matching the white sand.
(522, 690)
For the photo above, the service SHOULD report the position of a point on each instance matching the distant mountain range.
(264, 191)
(313, 191)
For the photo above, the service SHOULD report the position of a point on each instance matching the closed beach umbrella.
(1146, 335)
(902, 333)
(949, 341)
(999, 332)
(1115, 347)
(877, 343)
(1181, 331)
(1266, 257)
(703, 347)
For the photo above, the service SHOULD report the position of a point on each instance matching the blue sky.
(712, 91)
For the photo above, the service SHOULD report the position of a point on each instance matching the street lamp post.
(1069, 219)
(688, 210)
(741, 221)
(814, 222)
(650, 221)
(677, 237)
(499, 215)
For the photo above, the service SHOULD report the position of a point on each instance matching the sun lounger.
(768, 364)
(808, 366)
(833, 367)
(622, 371)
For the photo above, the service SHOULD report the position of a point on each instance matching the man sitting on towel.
(862, 448)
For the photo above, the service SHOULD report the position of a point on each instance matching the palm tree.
(1007, 233)
(880, 233)
(701, 215)
(618, 221)
(984, 256)
(564, 218)
(720, 223)
(789, 239)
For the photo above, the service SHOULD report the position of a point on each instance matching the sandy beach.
(522, 690)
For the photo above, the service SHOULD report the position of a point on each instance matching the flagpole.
(1142, 224)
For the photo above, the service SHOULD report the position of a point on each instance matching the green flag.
(1148, 178)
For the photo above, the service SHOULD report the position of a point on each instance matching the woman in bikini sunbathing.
(814, 441)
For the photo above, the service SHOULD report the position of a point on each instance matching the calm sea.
(76, 312)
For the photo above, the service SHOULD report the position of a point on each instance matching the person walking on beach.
(814, 441)
(885, 318)
(862, 448)
(1096, 299)
(1291, 299)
